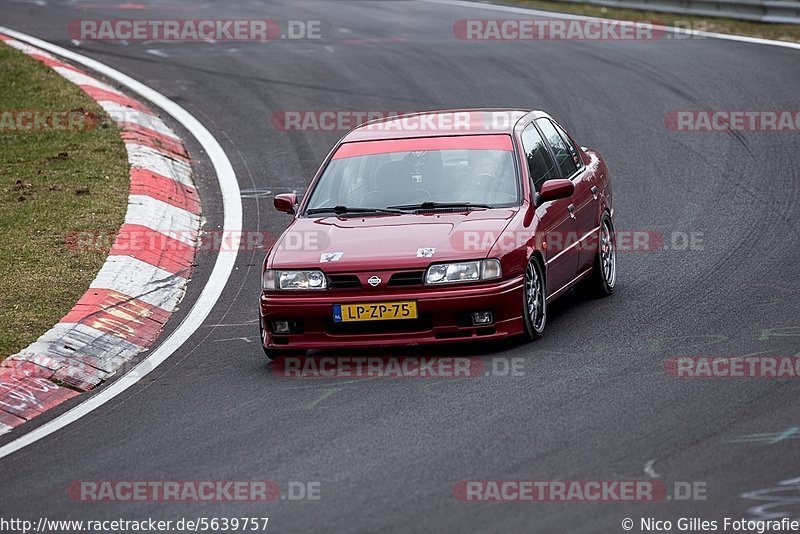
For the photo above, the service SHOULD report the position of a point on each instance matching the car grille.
(343, 281)
(398, 279)
(406, 278)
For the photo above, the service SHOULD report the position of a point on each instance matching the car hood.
(392, 241)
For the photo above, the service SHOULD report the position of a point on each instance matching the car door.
(587, 211)
(583, 207)
(556, 221)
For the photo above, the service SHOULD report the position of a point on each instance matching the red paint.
(154, 248)
(26, 367)
(135, 133)
(83, 378)
(382, 246)
(144, 182)
(50, 62)
(556, 189)
(128, 318)
(286, 202)
(102, 94)
(10, 420)
(461, 142)
(26, 396)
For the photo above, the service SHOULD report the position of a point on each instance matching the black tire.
(534, 300)
(274, 354)
(604, 270)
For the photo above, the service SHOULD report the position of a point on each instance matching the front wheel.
(534, 312)
(274, 354)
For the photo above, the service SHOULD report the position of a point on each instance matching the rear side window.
(570, 145)
(563, 153)
(540, 164)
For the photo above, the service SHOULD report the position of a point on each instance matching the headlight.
(272, 279)
(464, 271)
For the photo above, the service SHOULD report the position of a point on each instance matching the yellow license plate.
(375, 311)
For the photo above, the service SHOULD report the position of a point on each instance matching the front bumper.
(443, 312)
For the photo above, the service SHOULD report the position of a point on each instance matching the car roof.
(448, 122)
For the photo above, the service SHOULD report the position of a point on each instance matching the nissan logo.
(373, 281)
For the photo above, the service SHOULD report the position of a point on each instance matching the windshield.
(476, 170)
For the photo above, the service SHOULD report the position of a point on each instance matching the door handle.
(571, 210)
(594, 192)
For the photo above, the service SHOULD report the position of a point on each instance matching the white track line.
(555, 14)
(223, 266)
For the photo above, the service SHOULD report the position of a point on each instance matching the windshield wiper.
(342, 210)
(440, 205)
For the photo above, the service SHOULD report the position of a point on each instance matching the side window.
(570, 146)
(349, 181)
(560, 150)
(540, 164)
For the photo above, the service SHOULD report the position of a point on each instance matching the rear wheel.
(534, 312)
(604, 270)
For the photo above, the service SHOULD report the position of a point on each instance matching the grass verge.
(779, 32)
(52, 183)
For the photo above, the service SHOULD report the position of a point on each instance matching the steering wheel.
(424, 194)
(481, 179)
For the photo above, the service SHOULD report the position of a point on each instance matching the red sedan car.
(443, 226)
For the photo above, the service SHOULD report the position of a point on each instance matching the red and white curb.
(138, 288)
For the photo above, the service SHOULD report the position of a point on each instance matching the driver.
(484, 165)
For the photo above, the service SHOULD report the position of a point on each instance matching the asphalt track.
(594, 403)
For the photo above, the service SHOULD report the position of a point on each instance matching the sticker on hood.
(326, 257)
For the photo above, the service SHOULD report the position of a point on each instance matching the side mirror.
(285, 202)
(554, 190)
